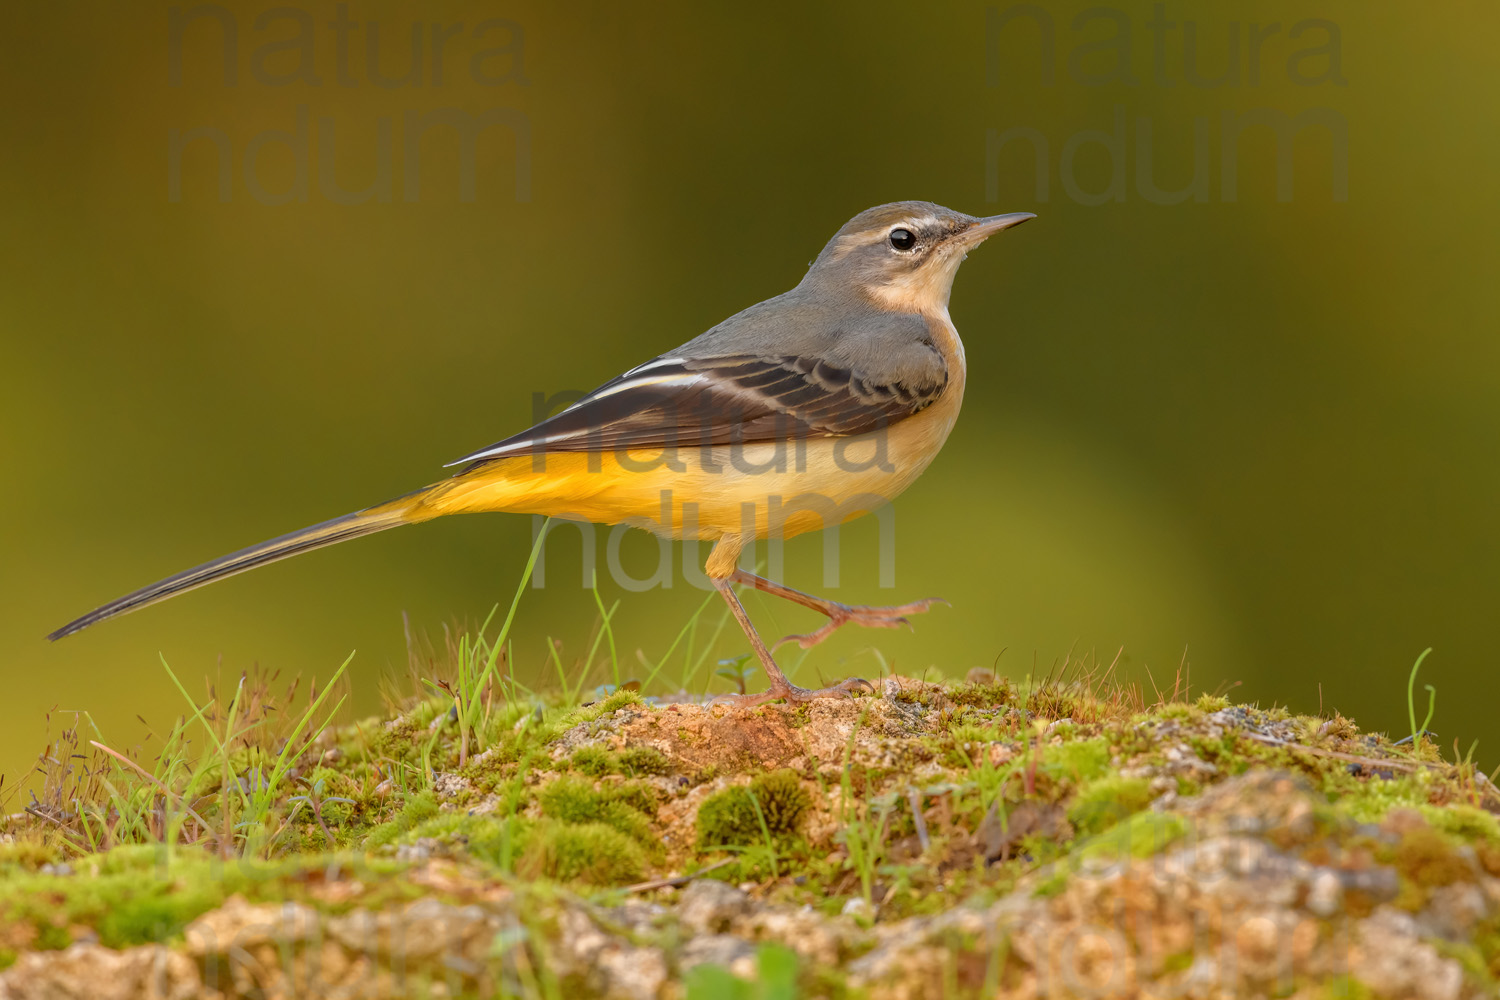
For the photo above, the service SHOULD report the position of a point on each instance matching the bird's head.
(904, 255)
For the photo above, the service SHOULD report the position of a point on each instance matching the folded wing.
(728, 399)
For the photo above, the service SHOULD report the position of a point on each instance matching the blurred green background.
(1254, 428)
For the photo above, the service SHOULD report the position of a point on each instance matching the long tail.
(403, 510)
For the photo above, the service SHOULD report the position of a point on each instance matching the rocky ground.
(972, 839)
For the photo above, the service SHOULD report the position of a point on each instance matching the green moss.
(637, 796)
(52, 937)
(783, 801)
(913, 696)
(1369, 799)
(1141, 836)
(28, 854)
(403, 738)
(1474, 961)
(139, 895)
(445, 826)
(1063, 729)
(525, 728)
(499, 841)
(1486, 938)
(638, 761)
(615, 702)
(572, 800)
(595, 853)
(966, 733)
(1108, 800)
(417, 808)
(154, 915)
(1212, 703)
(981, 695)
(1429, 860)
(1052, 702)
(733, 817)
(597, 762)
(336, 816)
(139, 859)
(330, 782)
(1218, 751)
(488, 771)
(593, 760)
(776, 975)
(627, 808)
(1054, 884)
(1081, 760)
(1467, 822)
(1346, 988)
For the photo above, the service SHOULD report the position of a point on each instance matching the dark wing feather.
(687, 403)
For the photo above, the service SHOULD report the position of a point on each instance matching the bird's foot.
(784, 690)
(840, 615)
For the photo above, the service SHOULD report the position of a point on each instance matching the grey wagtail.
(812, 407)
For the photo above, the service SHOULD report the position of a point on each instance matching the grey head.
(903, 255)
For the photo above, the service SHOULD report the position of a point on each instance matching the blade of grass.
(471, 706)
(153, 780)
(569, 693)
(673, 648)
(765, 831)
(708, 648)
(599, 634)
(290, 751)
(608, 630)
(1411, 704)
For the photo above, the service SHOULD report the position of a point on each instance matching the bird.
(807, 409)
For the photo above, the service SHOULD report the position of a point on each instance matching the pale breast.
(787, 488)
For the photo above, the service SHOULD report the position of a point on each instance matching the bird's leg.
(722, 559)
(779, 687)
(838, 614)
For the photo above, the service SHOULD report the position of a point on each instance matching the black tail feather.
(339, 529)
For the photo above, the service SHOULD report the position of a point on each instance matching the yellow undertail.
(636, 488)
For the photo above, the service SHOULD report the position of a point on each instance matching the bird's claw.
(794, 695)
(840, 615)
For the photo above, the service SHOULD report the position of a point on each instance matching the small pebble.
(858, 908)
(1326, 894)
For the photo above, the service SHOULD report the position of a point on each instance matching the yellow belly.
(767, 489)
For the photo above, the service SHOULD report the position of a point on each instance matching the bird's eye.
(902, 239)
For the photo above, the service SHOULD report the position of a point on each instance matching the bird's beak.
(983, 229)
